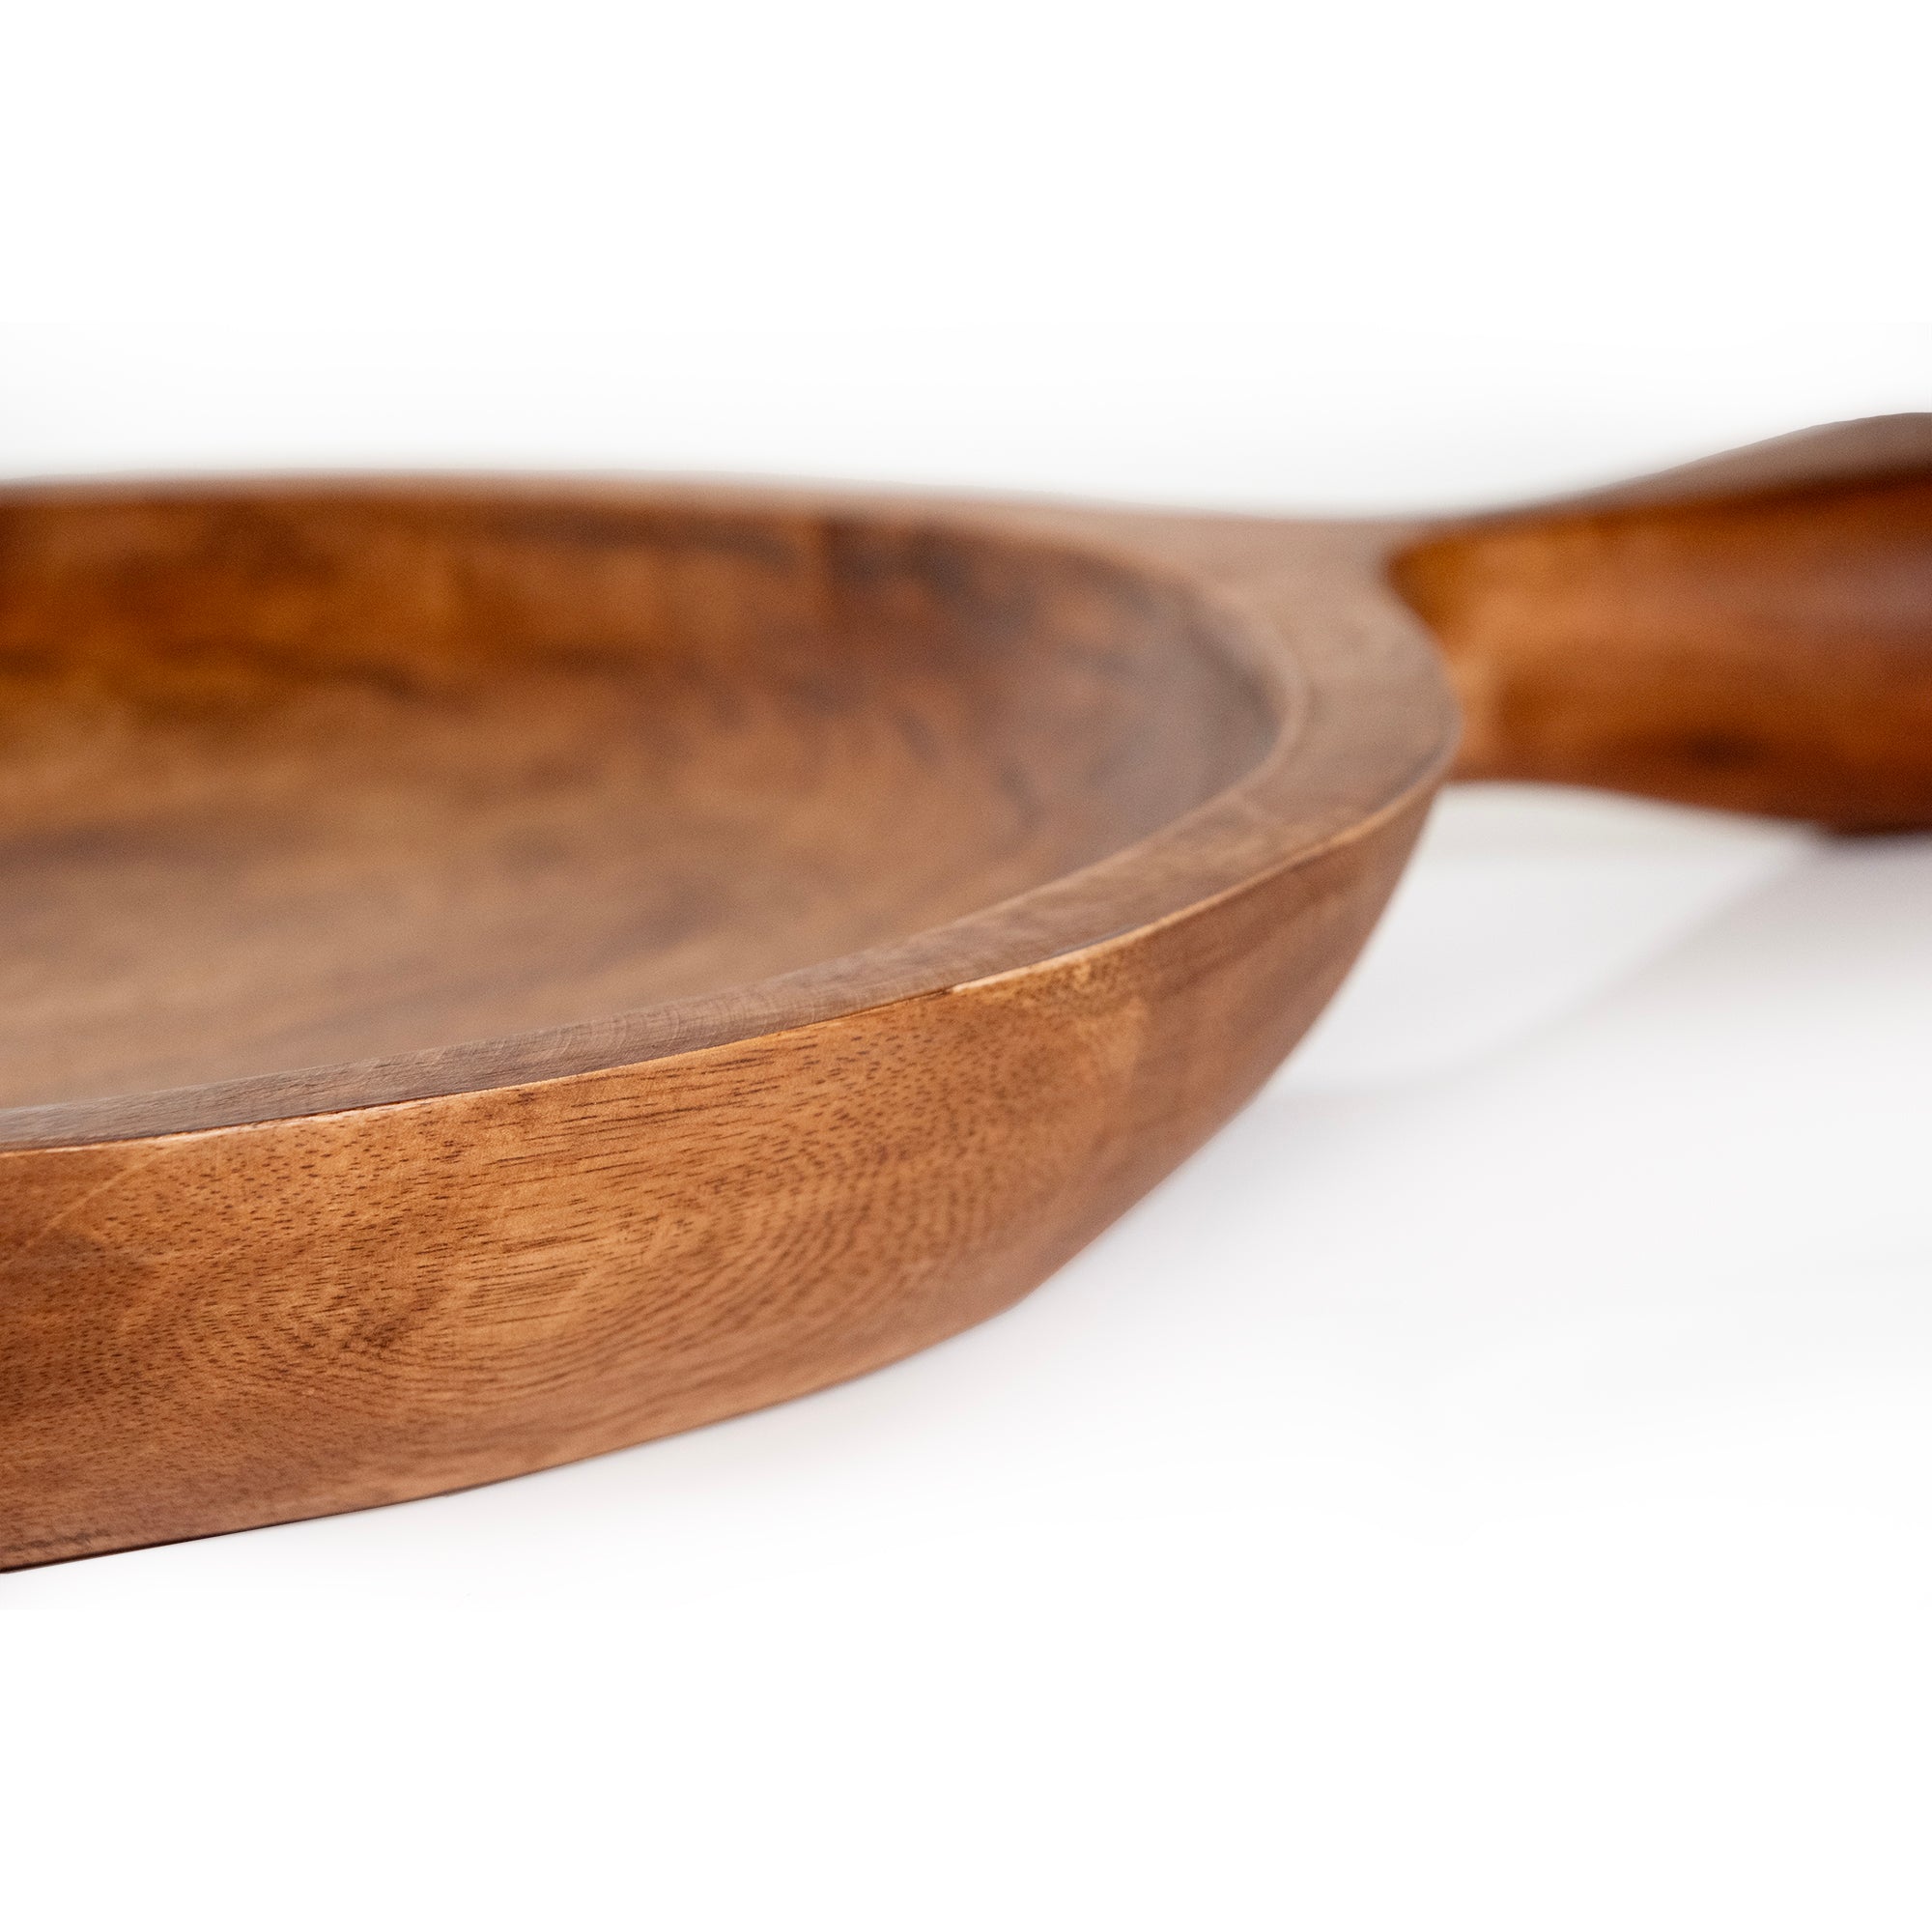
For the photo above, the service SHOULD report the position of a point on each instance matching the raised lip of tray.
(1320, 661)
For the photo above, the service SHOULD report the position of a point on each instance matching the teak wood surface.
(491, 972)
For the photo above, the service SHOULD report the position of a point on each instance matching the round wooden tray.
(493, 972)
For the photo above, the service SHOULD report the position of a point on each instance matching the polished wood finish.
(300, 779)
(719, 944)
(1753, 633)
(496, 972)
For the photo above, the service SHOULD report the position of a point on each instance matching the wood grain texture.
(493, 972)
(869, 901)
(1754, 632)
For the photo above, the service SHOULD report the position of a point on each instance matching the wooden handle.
(1754, 632)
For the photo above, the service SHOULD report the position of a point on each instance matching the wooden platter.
(493, 971)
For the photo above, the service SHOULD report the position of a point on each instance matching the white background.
(1490, 1485)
